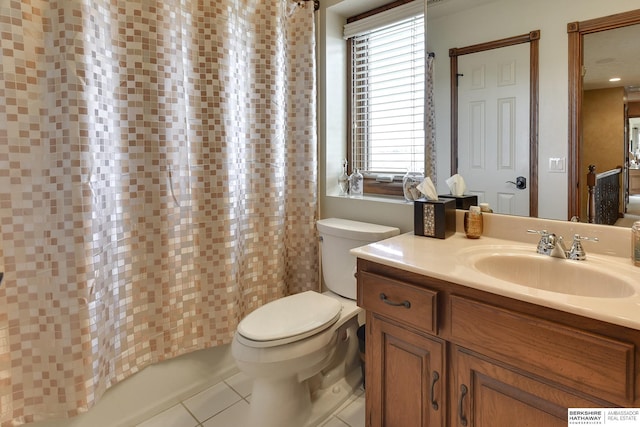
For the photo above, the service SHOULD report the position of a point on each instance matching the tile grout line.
(190, 413)
(200, 422)
(234, 390)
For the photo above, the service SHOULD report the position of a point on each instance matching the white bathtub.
(155, 388)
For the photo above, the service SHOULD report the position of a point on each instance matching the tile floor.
(225, 405)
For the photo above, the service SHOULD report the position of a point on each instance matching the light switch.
(557, 164)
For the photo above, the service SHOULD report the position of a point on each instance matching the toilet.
(297, 346)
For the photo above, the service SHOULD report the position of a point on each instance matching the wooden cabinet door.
(486, 394)
(405, 377)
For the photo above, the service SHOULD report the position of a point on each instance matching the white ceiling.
(613, 53)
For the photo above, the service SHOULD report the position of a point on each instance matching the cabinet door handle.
(434, 380)
(463, 392)
(405, 303)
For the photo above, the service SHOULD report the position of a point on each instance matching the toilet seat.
(289, 319)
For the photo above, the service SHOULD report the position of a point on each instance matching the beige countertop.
(448, 259)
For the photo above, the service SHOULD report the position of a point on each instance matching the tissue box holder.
(462, 202)
(434, 218)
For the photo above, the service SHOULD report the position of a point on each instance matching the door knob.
(521, 183)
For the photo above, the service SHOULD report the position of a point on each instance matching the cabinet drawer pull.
(434, 380)
(463, 393)
(405, 303)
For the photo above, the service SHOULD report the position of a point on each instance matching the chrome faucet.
(547, 242)
(554, 246)
(577, 251)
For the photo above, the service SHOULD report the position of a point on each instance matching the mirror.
(507, 136)
(585, 37)
(457, 23)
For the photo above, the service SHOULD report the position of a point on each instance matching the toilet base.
(327, 401)
(289, 402)
(280, 412)
(284, 402)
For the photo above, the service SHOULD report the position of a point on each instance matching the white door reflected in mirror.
(493, 126)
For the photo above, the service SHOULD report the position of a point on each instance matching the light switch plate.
(557, 164)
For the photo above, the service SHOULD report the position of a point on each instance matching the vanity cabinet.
(442, 354)
(405, 360)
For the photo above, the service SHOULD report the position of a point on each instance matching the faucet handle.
(591, 239)
(540, 232)
(545, 245)
(577, 251)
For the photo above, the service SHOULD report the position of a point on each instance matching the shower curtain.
(157, 183)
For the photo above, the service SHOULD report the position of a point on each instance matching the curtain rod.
(316, 3)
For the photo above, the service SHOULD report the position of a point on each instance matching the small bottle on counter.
(635, 243)
(473, 222)
(356, 184)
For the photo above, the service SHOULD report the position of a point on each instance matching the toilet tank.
(338, 237)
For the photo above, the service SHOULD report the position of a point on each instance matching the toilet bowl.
(296, 346)
(282, 393)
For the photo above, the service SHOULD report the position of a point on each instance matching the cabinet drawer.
(397, 300)
(594, 364)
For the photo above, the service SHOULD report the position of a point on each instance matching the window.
(387, 91)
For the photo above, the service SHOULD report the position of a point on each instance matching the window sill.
(376, 188)
(375, 198)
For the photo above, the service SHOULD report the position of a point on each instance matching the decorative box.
(434, 218)
(462, 202)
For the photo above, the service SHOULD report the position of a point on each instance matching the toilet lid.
(304, 314)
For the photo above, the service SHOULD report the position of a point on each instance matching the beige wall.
(603, 132)
(489, 21)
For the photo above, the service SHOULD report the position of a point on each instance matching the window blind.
(387, 97)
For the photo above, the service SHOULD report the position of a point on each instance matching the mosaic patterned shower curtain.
(157, 183)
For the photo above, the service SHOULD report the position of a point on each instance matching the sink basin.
(582, 278)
